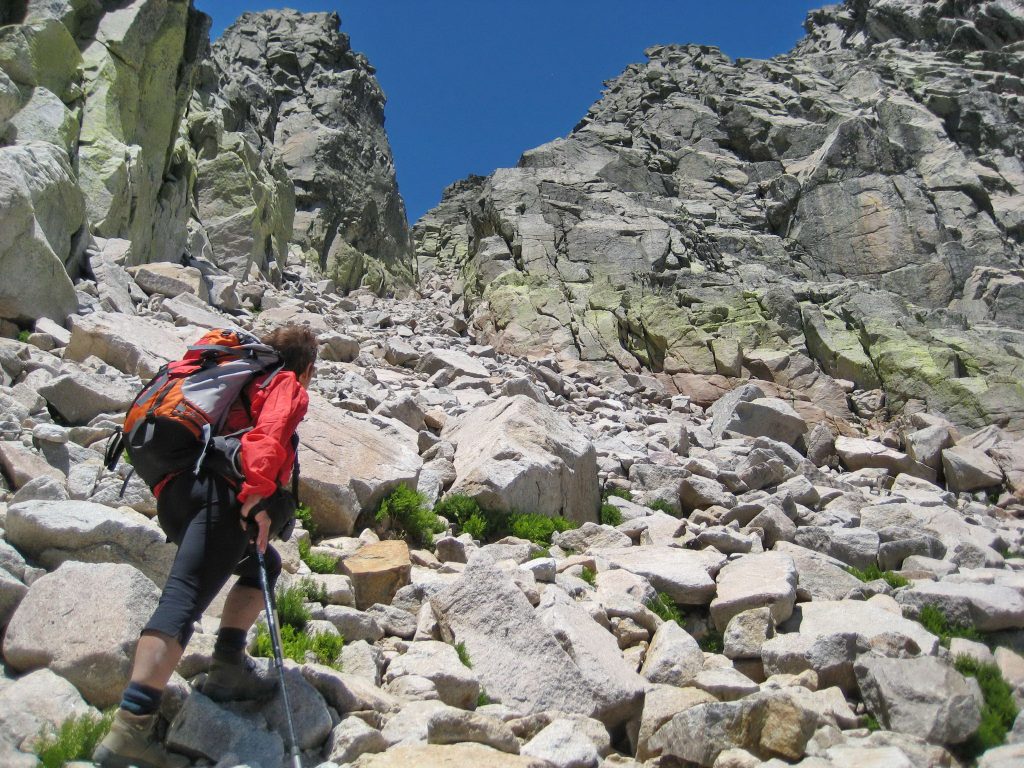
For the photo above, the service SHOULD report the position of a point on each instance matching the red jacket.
(267, 454)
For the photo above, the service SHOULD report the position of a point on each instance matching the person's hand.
(262, 520)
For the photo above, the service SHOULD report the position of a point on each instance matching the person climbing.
(211, 517)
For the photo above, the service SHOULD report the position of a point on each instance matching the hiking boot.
(231, 679)
(131, 742)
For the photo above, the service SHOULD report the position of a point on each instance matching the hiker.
(211, 517)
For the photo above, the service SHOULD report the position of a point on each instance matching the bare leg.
(242, 606)
(156, 656)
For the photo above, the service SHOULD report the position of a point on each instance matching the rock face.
(120, 124)
(857, 205)
(298, 92)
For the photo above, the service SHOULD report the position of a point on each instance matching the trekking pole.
(275, 640)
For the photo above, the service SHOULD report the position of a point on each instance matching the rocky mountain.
(645, 379)
(857, 202)
(295, 89)
(128, 140)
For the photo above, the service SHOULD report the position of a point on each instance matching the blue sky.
(472, 84)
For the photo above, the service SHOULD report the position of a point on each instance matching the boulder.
(618, 689)
(673, 657)
(79, 396)
(170, 280)
(134, 345)
(351, 738)
(685, 575)
(438, 662)
(662, 703)
(348, 693)
(22, 465)
(987, 607)
(858, 453)
(754, 581)
(377, 571)
(451, 365)
(486, 611)
(53, 532)
(309, 712)
(41, 700)
(517, 454)
(923, 696)
(12, 592)
(42, 214)
(563, 744)
(450, 726)
(82, 621)
(968, 469)
(216, 733)
(349, 465)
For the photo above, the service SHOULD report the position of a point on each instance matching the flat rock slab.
(456, 684)
(448, 756)
(53, 532)
(133, 345)
(685, 575)
(988, 607)
(378, 570)
(925, 697)
(755, 581)
(858, 453)
(82, 621)
(865, 620)
(487, 611)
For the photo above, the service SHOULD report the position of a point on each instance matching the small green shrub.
(295, 643)
(23, 336)
(660, 505)
(621, 493)
(610, 515)
(468, 517)
(408, 510)
(476, 526)
(542, 552)
(74, 740)
(482, 699)
(317, 562)
(665, 607)
(871, 723)
(305, 515)
(999, 711)
(291, 607)
(873, 572)
(712, 642)
(589, 575)
(314, 591)
(932, 618)
(460, 648)
(537, 528)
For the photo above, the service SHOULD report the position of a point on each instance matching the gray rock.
(967, 469)
(12, 592)
(351, 738)
(489, 614)
(988, 607)
(456, 684)
(562, 744)
(203, 728)
(518, 454)
(53, 532)
(754, 581)
(80, 396)
(447, 726)
(924, 696)
(82, 621)
(37, 701)
(352, 623)
(685, 575)
(673, 657)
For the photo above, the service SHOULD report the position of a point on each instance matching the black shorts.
(200, 515)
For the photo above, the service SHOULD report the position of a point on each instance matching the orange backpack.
(172, 423)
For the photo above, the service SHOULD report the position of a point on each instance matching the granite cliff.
(858, 201)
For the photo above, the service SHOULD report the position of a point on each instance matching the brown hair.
(297, 346)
